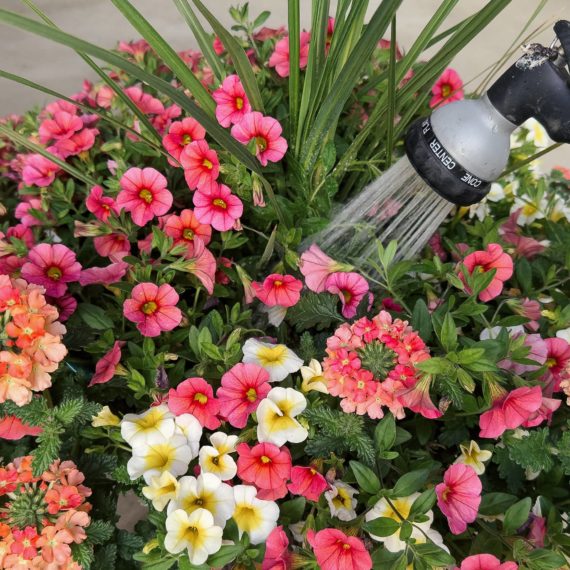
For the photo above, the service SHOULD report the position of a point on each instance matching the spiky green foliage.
(314, 311)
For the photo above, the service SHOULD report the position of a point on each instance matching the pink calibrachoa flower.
(181, 134)
(281, 290)
(62, 126)
(525, 246)
(270, 146)
(537, 353)
(195, 396)
(217, 207)
(242, 388)
(351, 289)
(334, 550)
(202, 264)
(52, 266)
(24, 213)
(510, 410)
(39, 171)
(114, 246)
(277, 555)
(184, 228)
(316, 267)
(307, 482)
(153, 308)
(280, 57)
(106, 366)
(415, 396)
(232, 102)
(266, 466)
(66, 305)
(145, 102)
(483, 261)
(544, 413)
(112, 273)
(448, 88)
(144, 194)
(13, 429)
(459, 496)
(164, 120)
(75, 144)
(101, 206)
(218, 46)
(557, 361)
(486, 562)
(201, 165)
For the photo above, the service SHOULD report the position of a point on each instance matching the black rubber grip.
(562, 30)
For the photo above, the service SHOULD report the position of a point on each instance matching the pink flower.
(281, 290)
(544, 413)
(105, 368)
(415, 396)
(105, 96)
(277, 556)
(232, 102)
(201, 165)
(144, 194)
(112, 273)
(266, 132)
(114, 246)
(25, 212)
(334, 550)
(145, 102)
(153, 308)
(218, 207)
(483, 261)
(66, 305)
(557, 361)
(307, 482)
(62, 126)
(280, 57)
(243, 387)
(486, 562)
(202, 264)
(52, 266)
(316, 267)
(195, 396)
(351, 289)
(136, 49)
(565, 171)
(537, 353)
(459, 496)
(74, 145)
(184, 228)
(448, 88)
(218, 46)
(39, 171)
(164, 120)
(181, 134)
(266, 466)
(510, 411)
(101, 206)
(12, 428)
(524, 246)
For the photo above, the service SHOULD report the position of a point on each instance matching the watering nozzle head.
(464, 146)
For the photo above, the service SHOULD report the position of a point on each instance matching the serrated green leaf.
(314, 311)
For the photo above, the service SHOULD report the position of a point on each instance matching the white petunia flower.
(313, 378)
(342, 503)
(137, 428)
(252, 515)
(216, 458)
(195, 532)
(161, 489)
(276, 417)
(559, 210)
(530, 210)
(474, 456)
(536, 133)
(204, 492)
(275, 314)
(159, 454)
(481, 209)
(191, 428)
(565, 334)
(277, 359)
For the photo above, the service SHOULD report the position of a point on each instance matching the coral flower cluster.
(371, 364)
(31, 346)
(42, 517)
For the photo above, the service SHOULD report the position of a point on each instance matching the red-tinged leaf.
(13, 428)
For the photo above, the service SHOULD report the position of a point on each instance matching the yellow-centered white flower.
(277, 359)
(204, 492)
(276, 414)
(136, 428)
(536, 133)
(195, 532)
(191, 428)
(474, 456)
(161, 489)
(252, 515)
(342, 503)
(313, 378)
(159, 454)
(531, 209)
(216, 458)
(401, 509)
(105, 418)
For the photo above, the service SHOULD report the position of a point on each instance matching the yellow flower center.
(272, 355)
(159, 457)
(346, 546)
(54, 273)
(247, 518)
(201, 398)
(265, 459)
(207, 164)
(529, 209)
(220, 203)
(251, 395)
(186, 139)
(446, 90)
(145, 195)
(403, 507)
(188, 234)
(277, 283)
(261, 143)
(149, 308)
(239, 103)
(342, 500)
(551, 362)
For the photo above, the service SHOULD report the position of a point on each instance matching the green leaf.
(48, 445)
(448, 333)
(470, 355)
(410, 483)
(238, 55)
(423, 504)
(314, 310)
(523, 273)
(294, 20)
(532, 452)
(382, 526)
(495, 503)
(95, 317)
(365, 477)
(227, 553)
(516, 515)
(83, 554)
(293, 509)
(99, 532)
(421, 320)
(68, 410)
(433, 555)
(434, 365)
(385, 433)
(542, 559)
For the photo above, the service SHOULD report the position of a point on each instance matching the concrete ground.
(98, 21)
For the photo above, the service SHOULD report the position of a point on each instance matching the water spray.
(454, 155)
